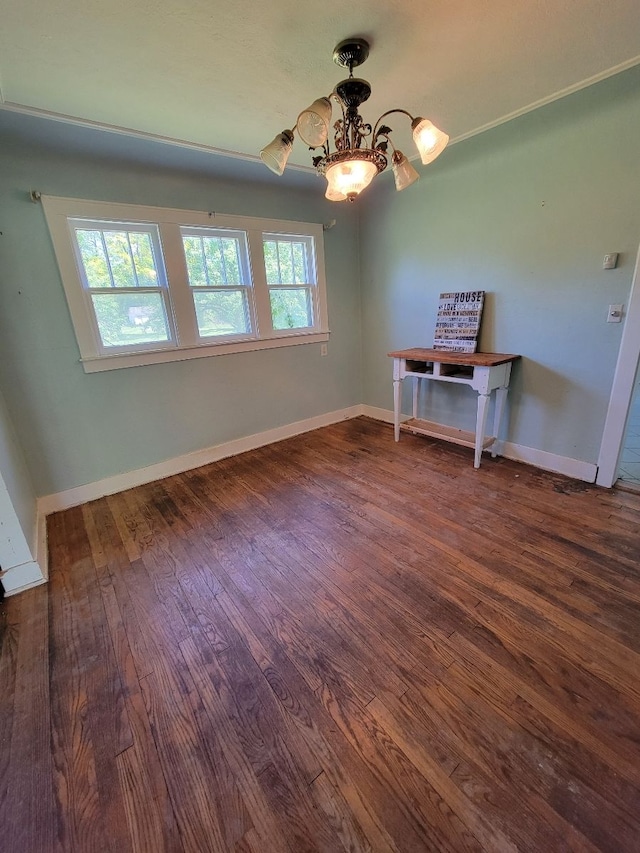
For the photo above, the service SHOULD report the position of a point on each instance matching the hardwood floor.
(332, 643)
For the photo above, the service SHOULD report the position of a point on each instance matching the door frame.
(622, 388)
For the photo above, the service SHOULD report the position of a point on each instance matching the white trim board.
(163, 227)
(186, 462)
(519, 453)
(34, 572)
(622, 388)
(378, 414)
(18, 551)
(120, 482)
(566, 465)
(20, 578)
(25, 109)
(78, 121)
(42, 545)
(554, 96)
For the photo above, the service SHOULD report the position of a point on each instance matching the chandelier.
(361, 152)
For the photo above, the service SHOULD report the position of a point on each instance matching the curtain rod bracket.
(35, 196)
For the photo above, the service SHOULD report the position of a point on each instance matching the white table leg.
(501, 396)
(416, 386)
(481, 422)
(397, 389)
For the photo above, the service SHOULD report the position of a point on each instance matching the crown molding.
(549, 99)
(11, 106)
(556, 96)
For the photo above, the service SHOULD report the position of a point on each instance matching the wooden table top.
(472, 359)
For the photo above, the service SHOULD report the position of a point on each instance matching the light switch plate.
(615, 314)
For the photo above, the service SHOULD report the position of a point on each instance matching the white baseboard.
(378, 414)
(31, 574)
(566, 465)
(19, 578)
(42, 548)
(120, 482)
(520, 453)
(27, 575)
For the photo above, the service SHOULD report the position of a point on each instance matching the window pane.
(195, 261)
(94, 258)
(142, 253)
(291, 309)
(231, 260)
(286, 261)
(117, 258)
(130, 318)
(122, 269)
(212, 260)
(299, 265)
(222, 313)
(271, 262)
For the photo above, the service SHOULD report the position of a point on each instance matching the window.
(220, 281)
(146, 285)
(290, 272)
(122, 272)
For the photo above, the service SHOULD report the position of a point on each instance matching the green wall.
(77, 428)
(525, 212)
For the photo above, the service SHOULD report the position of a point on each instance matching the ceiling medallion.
(361, 152)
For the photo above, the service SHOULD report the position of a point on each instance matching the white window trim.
(59, 210)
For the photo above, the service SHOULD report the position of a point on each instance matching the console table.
(484, 372)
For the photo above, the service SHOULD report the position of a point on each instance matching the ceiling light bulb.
(313, 123)
(276, 153)
(350, 177)
(429, 140)
(403, 172)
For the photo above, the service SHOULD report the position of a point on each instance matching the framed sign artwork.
(458, 321)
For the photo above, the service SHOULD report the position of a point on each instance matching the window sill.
(119, 360)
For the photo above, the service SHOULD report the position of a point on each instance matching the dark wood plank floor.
(332, 643)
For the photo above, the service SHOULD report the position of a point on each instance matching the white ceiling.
(230, 75)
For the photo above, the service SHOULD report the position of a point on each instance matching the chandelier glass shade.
(276, 153)
(313, 123)
(429, 141)
(403, 172)
(361, 151)
(349, 176)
